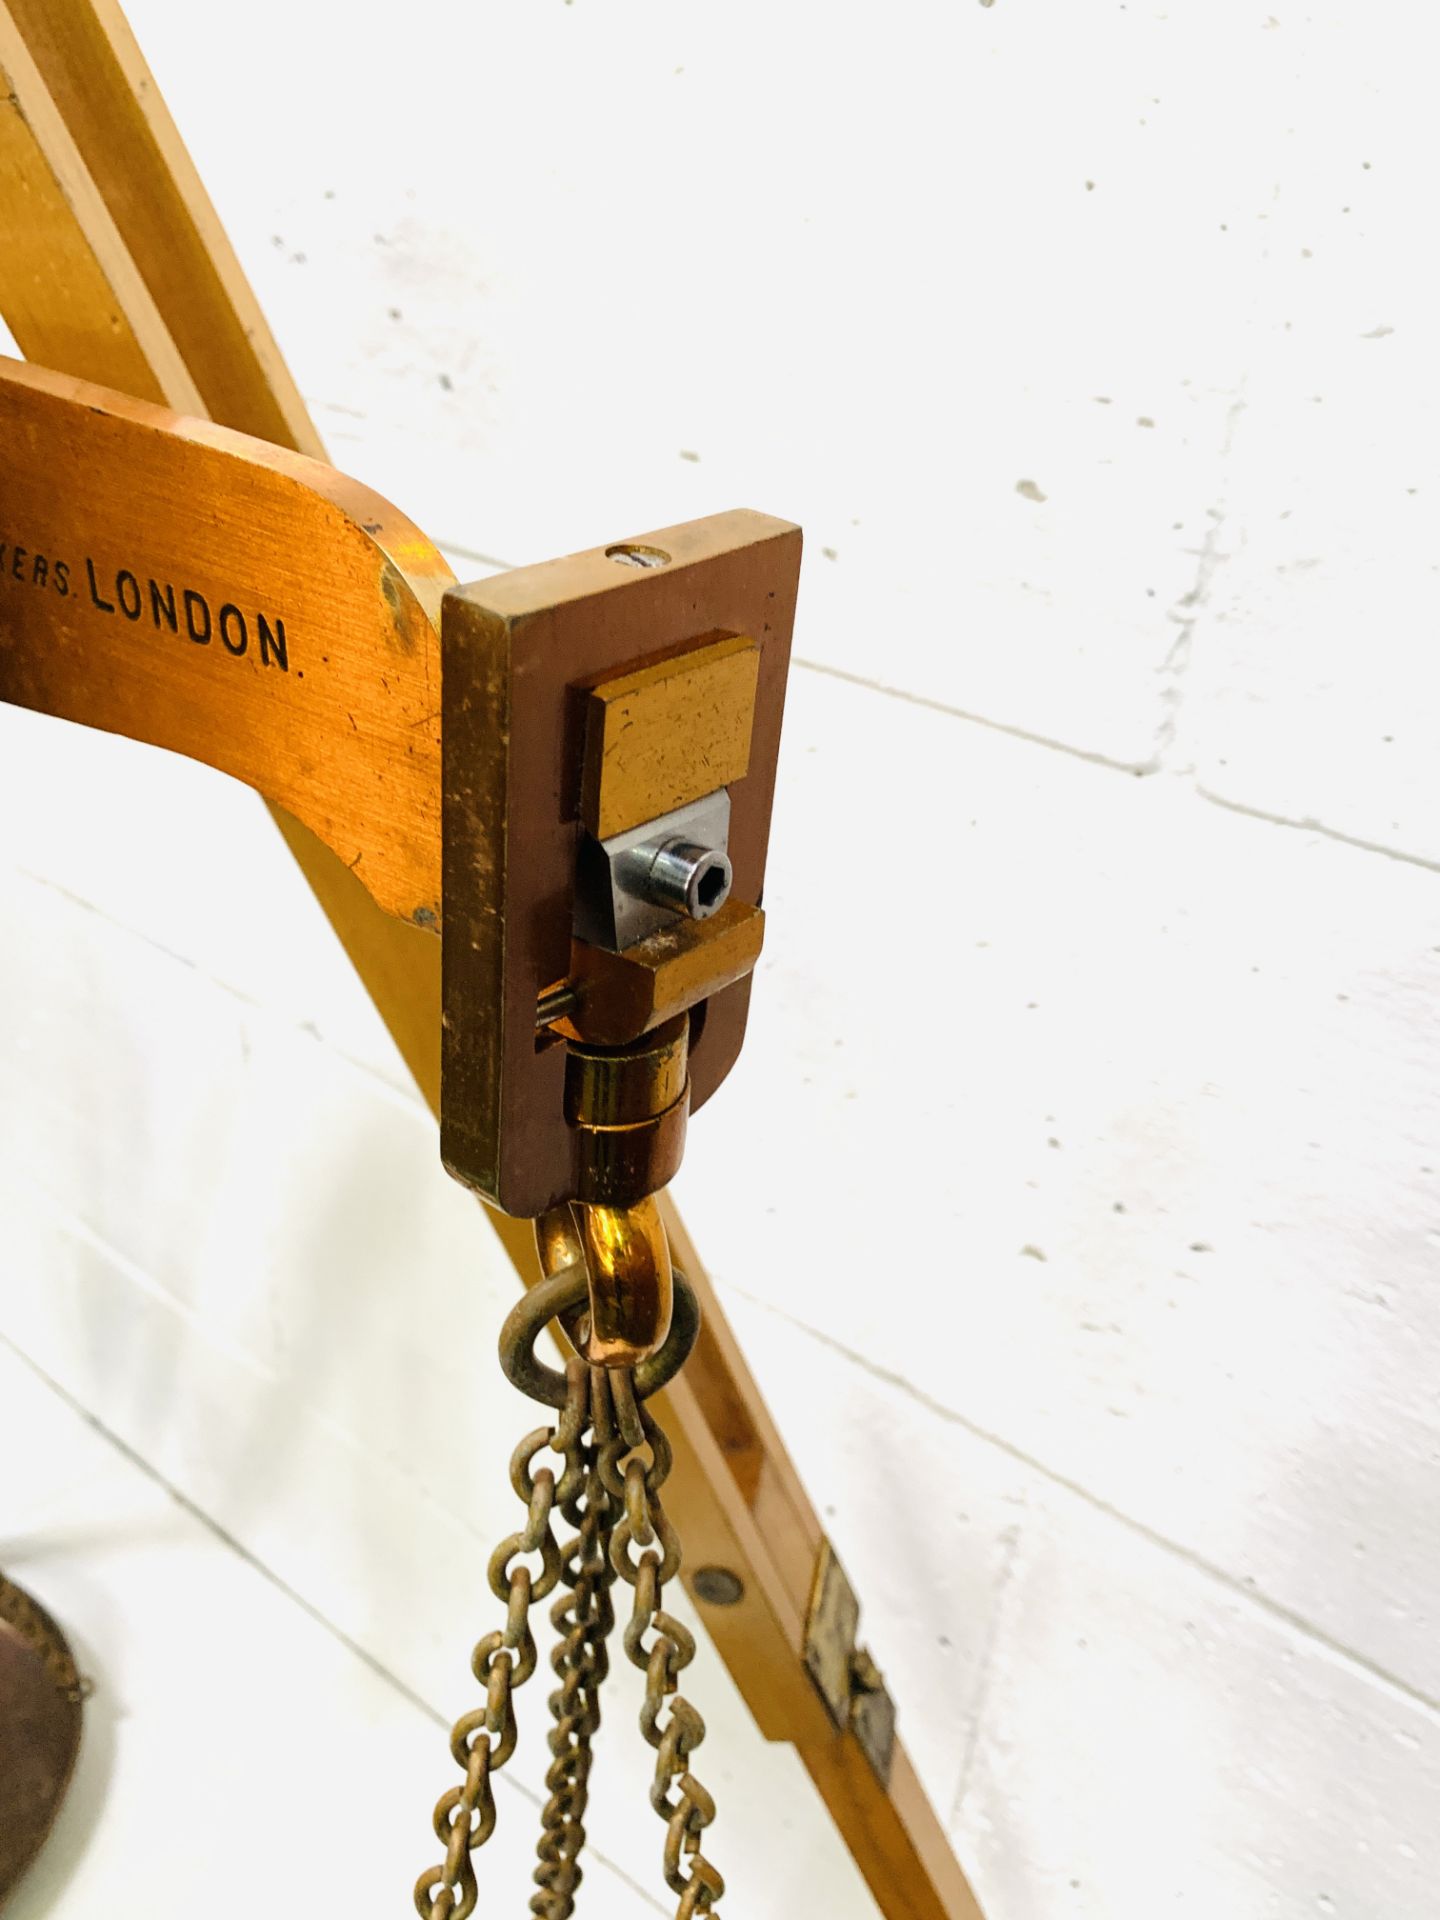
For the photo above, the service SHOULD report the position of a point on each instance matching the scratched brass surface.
(619, 996)
(661, 736)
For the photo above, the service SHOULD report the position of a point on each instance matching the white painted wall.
(1092, 346)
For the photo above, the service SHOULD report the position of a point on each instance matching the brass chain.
(636, 1485)
(610, 1492)
(482, 1740)
(583, 1617)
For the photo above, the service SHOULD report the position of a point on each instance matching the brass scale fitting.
(663, 744)
(629, 1106)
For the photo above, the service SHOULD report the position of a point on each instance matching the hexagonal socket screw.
(677, 874)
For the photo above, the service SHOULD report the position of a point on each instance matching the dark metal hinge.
(848, 1680)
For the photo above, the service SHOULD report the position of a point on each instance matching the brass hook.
(625, 1253)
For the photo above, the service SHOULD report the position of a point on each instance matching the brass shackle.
(625, 1253)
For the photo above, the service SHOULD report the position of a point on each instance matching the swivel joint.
(628, 1106)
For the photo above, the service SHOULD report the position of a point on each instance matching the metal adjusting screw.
(679, 875)
(634, 883)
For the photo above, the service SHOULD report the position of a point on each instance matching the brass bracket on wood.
(471, 753)
(845, 1674)
(583, 698)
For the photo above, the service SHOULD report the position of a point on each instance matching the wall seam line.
(1253, 1596)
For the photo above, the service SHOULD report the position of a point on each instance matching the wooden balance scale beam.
(114, 270)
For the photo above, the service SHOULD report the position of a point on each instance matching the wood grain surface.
(182, 584)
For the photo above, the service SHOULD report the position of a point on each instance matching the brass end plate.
(525, 656)
(847, 1678)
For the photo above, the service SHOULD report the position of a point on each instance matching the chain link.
(583, 1617)
(482, 1740)
(644, 1527)
(616, 1460)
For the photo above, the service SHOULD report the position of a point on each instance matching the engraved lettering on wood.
(137, 596)
(166, 579)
